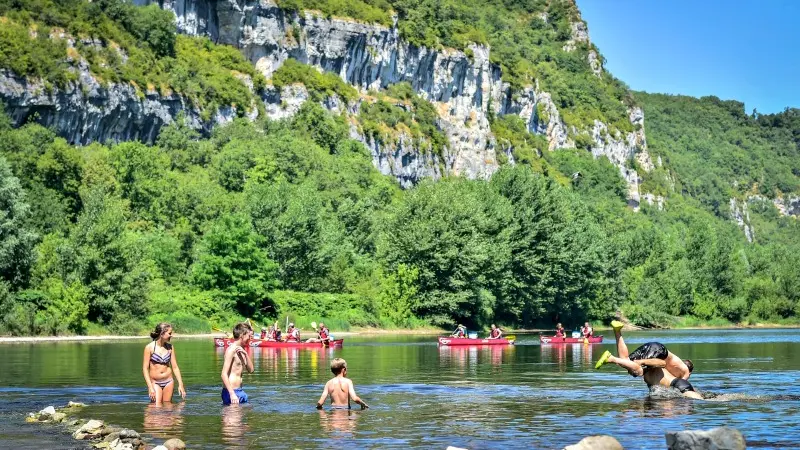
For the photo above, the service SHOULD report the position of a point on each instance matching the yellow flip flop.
(603, 359)
(617, 325)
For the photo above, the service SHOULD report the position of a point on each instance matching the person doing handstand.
(340, 388)
(653, 362)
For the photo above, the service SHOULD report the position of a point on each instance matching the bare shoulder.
(230, 351)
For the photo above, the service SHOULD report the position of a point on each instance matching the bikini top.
(158, 359)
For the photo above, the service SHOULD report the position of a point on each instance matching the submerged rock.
(601, 442)
(722, 438)
(174, 444)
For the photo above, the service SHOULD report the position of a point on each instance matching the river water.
(523, 396)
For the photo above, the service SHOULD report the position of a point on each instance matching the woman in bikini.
(159, 366)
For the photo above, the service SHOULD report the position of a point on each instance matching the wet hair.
(161, 328)
(337, 365)
(689, 364)
(240, 329)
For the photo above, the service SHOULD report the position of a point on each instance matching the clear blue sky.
(737, 50)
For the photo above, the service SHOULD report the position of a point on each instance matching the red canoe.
(568, 340)
(224, 342)
(456, 341)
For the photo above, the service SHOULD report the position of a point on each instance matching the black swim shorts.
(650, 350)
(681, 385)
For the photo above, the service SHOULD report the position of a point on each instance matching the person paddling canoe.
(495, 333)
(292, 333)
(323, 335)
(560, 331)
(460, 333)
(653, 362)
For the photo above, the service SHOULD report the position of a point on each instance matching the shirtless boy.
(236, 360)
(653, 362)
(340, 388)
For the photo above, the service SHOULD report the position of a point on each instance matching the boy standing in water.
(236, 360)
(340, 388)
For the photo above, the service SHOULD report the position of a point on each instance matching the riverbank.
(379, 332)
(178, 336)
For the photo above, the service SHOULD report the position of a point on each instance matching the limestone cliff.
(466, 89)
(368, 56)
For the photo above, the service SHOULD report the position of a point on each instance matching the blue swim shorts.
(226, 397)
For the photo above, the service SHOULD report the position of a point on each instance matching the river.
(523, 396)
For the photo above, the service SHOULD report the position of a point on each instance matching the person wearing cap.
(461, 332)
(263, 333)
(292, 334)
(323, 335)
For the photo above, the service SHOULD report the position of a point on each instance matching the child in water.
(340, 388)
(236, 362)
(160, 364)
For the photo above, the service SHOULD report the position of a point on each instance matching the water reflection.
(338, 421)
(568, 356)
(664, 408)
(164, 421)
(234, 427)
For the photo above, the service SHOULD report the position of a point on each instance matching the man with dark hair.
(653, 362)
(236, 361)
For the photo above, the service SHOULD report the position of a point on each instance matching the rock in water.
(596, 443)
(90, 428)
(175, 444)
(722, 438)
(75, 405)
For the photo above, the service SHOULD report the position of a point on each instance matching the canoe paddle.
(217, 329)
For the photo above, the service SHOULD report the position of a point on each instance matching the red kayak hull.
(569, 340)
(224, 342)
(456, 341)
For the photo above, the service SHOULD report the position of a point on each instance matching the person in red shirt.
(460, 333)
(560, 331)
(495, 332)
(587, 330)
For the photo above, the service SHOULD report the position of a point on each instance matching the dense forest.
(265, 219)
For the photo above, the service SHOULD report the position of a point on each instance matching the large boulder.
(722, 438)
(601, 442)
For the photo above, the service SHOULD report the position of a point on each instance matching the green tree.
(231, 262)
(16, 240)
(105, 257)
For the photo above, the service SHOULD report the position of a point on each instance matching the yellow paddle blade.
(511, 337)
(314, 325)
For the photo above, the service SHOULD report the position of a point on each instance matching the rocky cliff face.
(464, 88)
(368, 56)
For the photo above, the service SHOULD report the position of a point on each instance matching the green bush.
(326, 307)
(319, 85)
